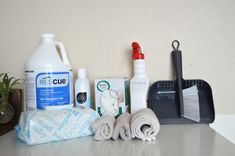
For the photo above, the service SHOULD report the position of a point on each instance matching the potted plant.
(6, 84)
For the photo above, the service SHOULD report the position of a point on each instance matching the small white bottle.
(139, 84)
(82, 90)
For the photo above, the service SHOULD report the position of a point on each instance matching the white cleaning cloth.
(122, 127)
(103, 127)
(44, 126)
(145, 124)
(109, 102)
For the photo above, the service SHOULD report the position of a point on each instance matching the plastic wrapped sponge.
(45, 126)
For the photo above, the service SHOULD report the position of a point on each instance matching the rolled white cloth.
(36, 127)
(145, 124)
(122, 127)
(103, 127)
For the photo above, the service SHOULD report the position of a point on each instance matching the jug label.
(52, 89)
(30, 90)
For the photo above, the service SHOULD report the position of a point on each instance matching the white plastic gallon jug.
(49, 78)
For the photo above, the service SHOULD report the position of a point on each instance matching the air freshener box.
(111, 96)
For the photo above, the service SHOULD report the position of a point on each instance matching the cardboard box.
(112, 96)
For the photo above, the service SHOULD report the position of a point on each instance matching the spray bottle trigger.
(137, 51)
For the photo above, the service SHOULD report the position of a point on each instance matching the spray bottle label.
(52, 89)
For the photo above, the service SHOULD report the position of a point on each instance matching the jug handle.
(63, 53)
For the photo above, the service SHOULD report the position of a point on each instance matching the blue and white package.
(36, 127)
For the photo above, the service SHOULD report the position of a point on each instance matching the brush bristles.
(191, 103)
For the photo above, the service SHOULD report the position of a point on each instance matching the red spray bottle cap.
(137, 51)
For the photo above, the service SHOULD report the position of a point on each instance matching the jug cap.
(48, 37)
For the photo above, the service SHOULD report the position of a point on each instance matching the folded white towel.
(103, 127)
(122, 127)
(145, 124)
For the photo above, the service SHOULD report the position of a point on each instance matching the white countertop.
(173, 140)
(224, 124)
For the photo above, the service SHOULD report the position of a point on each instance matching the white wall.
(98, 35)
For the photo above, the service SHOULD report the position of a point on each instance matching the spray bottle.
(139, 84)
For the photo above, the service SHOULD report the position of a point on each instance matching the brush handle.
(177, 59)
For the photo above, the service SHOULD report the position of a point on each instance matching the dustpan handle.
(177, 59)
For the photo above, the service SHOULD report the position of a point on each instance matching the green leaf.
(1, 74)
(14, 83)
(9, 85)
(5, 79)
(1, 87)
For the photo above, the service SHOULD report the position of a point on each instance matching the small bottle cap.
(81, 73)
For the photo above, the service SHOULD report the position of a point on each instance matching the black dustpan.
(165, 97)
